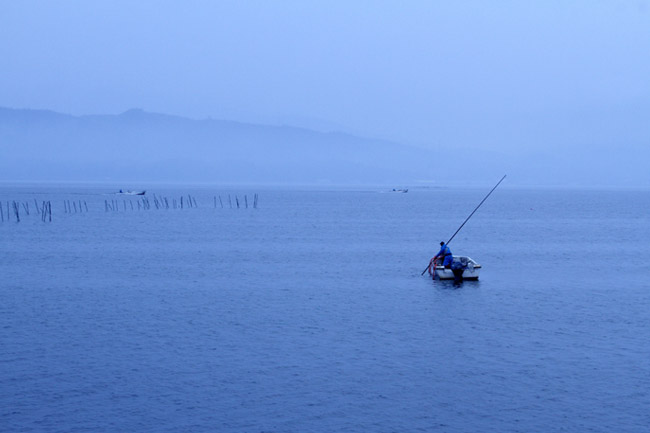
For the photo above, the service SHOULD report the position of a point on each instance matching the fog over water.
(555, 93)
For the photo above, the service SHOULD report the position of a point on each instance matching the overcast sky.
(469, 73)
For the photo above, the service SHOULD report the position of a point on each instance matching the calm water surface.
(309, 313)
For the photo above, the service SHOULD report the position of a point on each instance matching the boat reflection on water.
(454, 284)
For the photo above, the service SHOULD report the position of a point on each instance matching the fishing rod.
(470, 215)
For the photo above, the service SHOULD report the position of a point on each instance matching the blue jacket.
(444, 251)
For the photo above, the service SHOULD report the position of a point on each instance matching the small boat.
(405, 190)
(462, 268)
(131, 192)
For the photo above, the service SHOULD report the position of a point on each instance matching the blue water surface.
(309, 314)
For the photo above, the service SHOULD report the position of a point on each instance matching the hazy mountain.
(141, 146)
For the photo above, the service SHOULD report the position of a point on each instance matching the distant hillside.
(40, 145)
(141, 146)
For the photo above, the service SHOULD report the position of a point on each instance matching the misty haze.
(326, 93)
(324, 216)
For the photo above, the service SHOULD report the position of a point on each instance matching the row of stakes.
(45, 209)
(182, 203)
(145, 204)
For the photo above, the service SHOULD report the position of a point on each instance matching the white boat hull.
(447, 274)
(131, 192)
(470, 273)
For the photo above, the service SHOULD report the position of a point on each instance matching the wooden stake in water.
(16, 211)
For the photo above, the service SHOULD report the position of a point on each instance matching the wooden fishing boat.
(462, 267)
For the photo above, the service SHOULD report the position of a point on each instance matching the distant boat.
(129, 192)
(462, 267)
(405, 190)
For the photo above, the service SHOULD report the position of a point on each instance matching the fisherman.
(445, 255)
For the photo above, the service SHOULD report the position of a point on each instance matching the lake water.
(309, 314)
